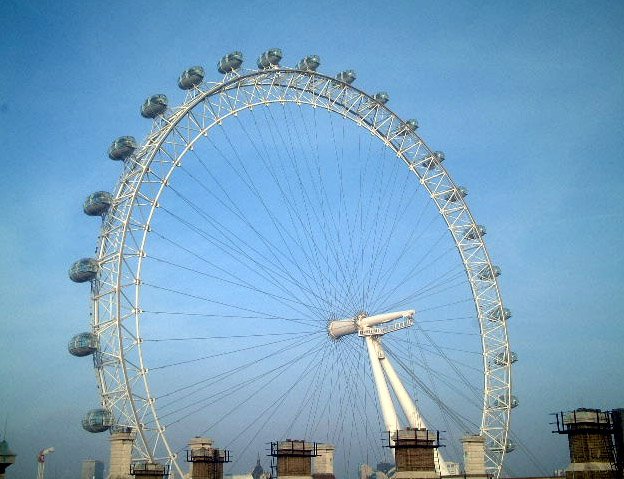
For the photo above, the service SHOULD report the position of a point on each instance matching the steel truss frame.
(116, 293)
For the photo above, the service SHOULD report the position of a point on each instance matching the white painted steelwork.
(385, 400)
(41, 461)
(380, 364)
(116, 292)
(365, 325)
(410, 410)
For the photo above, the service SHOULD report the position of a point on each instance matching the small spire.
(257, 471)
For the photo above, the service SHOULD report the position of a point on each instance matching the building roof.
(4, 449)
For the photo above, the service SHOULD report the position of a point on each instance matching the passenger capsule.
(155, 105)
(270, 58)
(191, 77)
(431, 161)
(456, 194)
(504, 358)
(83, 270)
(381, 97)
(122, 148)
(489, 273)
(409, 126)
(347, 76)
(474, 232)
(311, 63)
(508, 448)
(502, 402)
(496, 314)
(230, 62)
(98, 203)
(97, 420)
(83, 344)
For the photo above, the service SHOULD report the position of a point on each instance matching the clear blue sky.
(525, 98)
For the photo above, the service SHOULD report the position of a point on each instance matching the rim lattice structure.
(116, 292)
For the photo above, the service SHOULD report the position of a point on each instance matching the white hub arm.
(342, 327)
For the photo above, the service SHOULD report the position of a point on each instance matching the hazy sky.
(525, 98)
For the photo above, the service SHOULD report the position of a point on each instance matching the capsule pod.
(155, 105)
(456, 194)
(191, 77)
(487, 273)
(347, 76)
(83, 270)
(508, 448)
(311, 63)
(230, 62)
(83, 344)
(270, 58)
(98, 203)
(122, 148)
(431, 161)
(97, 420)
(409, 126)
(381, 97)
(474, 232)
(499, 314)
(505, 358)
(502, 402)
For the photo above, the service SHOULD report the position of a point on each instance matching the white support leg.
(370, 327)
(385, 401)
(409, 408)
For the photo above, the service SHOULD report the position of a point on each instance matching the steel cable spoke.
(287, 220)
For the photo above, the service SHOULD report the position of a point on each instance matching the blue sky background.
(525, 98)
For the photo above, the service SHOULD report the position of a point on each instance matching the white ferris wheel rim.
(113, 291)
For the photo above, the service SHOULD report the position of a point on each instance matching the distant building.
(92, 469)
(257, 471)
(237, 476)
(7, 457)
(365, 471)
(453, 468)
(383, 471)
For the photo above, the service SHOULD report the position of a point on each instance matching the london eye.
(284, 256)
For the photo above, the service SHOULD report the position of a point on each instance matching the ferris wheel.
(284, 256)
